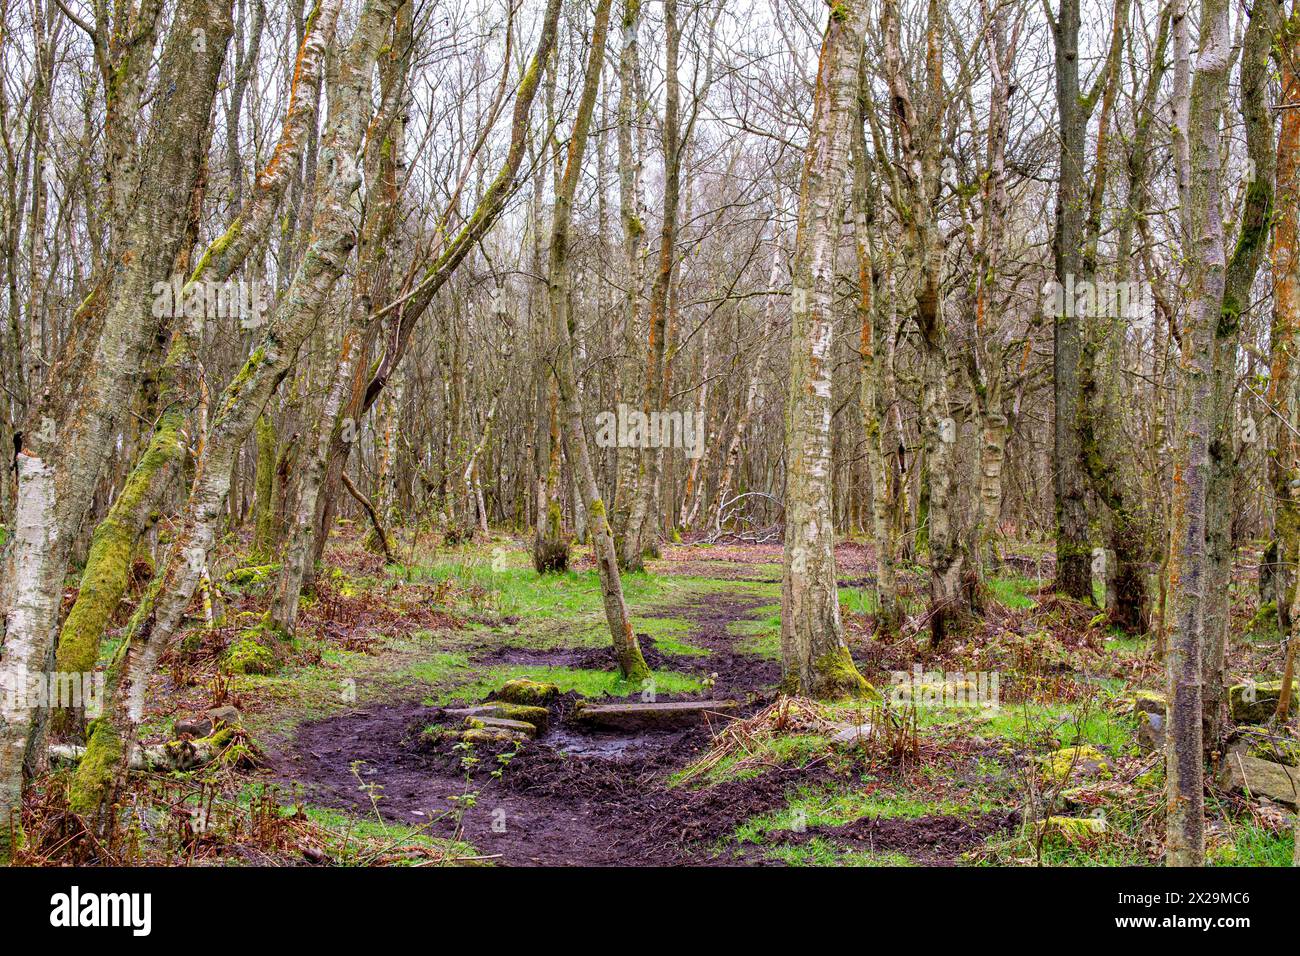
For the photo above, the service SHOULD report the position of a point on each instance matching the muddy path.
(570, 798)
(579, 797)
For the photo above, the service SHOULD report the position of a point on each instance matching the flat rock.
(851, 735)
(500, 723)
(225, 715)
(539, 717)
(633, 717)
(1261, 778)
(1266, 744)
(491, 735)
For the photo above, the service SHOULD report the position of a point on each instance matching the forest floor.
(348, 757)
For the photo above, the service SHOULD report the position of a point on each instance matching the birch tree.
(815, 659)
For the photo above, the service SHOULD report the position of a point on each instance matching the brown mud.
(572, 797)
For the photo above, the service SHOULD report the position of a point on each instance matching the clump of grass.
(470, 685)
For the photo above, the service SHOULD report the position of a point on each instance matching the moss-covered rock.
(248, 655)
(491, 735)
(529, 693)
(1261, 778)
(1254, 702)
(500, 723)
(1264, 744)
(1073, 829)
(1086, 760)
(252, 575)
(1150, 702)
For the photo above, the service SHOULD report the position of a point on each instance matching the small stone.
(851, 735)
(194, 726)
(222, 715)
(1151, 731)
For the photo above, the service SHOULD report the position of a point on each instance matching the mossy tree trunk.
(626, 649)
(107, 572)
(1073, 570)
(68, 440)
(815, 659)
(915, 188)
(1239, 279)
(333, 236)
(264, 490)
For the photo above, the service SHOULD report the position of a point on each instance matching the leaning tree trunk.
(333, 236)
(815, 659)
(384, 145)
(69, 439)
(104, 578)
(631, 664)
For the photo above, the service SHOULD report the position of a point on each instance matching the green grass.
(669, 635)
(358, 840)
(760, 633)
(795, 750)
(1014, 591)
(464, 684)
(836, 805)
(1255, 846)
(822, 852)
(1026, 724)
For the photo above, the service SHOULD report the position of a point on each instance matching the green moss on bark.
(95, 776)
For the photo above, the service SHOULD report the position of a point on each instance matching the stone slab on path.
(659, 716)
(539, 717)
(501, 723)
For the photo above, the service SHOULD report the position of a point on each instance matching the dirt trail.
(585, 798)
(571, 798)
